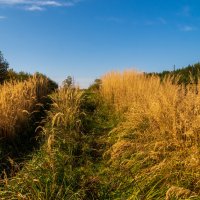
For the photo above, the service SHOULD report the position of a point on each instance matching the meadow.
(132, 136)
(17, 101)
(157, 143)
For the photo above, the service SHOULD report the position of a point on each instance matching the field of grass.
(134, 138)
(17, 101)
(156, 146)
(22, 106)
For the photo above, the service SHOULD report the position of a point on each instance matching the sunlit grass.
(17, 101)
(50, 173)
(160, 131)
(136, 138)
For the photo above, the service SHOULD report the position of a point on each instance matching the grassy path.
(85, 157)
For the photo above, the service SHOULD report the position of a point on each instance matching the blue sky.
(87, 38)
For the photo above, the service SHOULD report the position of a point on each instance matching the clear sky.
(87, 38)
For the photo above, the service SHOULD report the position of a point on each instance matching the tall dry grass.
(17, 101)
(52, 172)
(161, 128)
(66, 103)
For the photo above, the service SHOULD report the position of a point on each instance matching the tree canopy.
(68, 82)
(3, 68)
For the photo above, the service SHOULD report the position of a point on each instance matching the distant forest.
(185, 75)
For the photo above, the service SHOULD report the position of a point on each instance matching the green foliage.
(21, 76)
(7, 74)
(96, 85)
(3, 68)
(68, 82)
(185, 75)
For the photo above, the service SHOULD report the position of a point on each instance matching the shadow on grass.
(14, 151)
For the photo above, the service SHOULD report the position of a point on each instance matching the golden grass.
(66, 103)
(50, 173)
(161, 126)
(17, 101)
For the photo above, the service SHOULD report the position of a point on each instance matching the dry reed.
(17, 101)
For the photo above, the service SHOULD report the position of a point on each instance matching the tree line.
(186, 75)
(8, 74)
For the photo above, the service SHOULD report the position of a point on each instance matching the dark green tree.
(19, 76)
(3, 68)
(68, 82)
(96, 85)
(186, 75)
